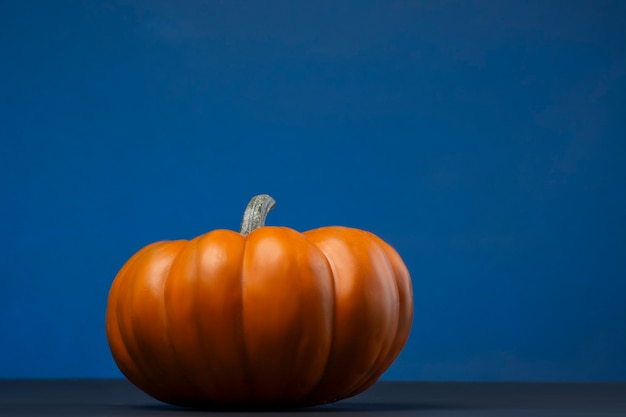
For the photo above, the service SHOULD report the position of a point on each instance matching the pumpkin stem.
(256, 213)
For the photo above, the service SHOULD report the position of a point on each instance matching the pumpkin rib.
(196, 306)
(405, 304)
(246, 353)
(300, 328)
(308, 398)
(185, 382)
(253, 304)
(304, 292)
(209, 270)
(157, 352)
(238, 348)
(175, 381)
(405, 307)
(127, 327)
(327, 389)
(277, 340)
(381, 360)
(341, 245)
(369, 377)
(126, 331)
(119, 350)
(126, 342)
(323, 386)
(300, 331)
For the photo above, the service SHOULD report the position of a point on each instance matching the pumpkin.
(265, 317)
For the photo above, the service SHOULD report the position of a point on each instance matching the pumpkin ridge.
(114, 333)
(190, 385)
(400, 337)
(246, 354)
(196, 307)
(380, 363)
(114, 295)
(350, 390)
(294, 376)
(307, 398)
(391, 252)
(347, 238)
(301, 320)
(127, 326)
(126, 332)
(256, 377)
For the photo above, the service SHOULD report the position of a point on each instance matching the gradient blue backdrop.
(484, 140)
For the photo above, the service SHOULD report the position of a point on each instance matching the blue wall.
(484, 140)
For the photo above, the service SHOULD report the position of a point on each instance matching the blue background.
(484, 140)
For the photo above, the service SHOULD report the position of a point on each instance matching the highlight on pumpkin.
(267, 316)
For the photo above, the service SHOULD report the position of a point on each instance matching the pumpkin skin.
(274, 318)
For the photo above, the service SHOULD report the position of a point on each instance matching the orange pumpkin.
(268, 316)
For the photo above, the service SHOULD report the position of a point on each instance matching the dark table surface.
(119, 398)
